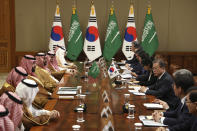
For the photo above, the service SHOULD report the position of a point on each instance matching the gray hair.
(183, 78)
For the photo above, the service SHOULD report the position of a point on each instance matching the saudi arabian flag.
(94, 70)
(112, 39)
(149, 37)
(75, 40)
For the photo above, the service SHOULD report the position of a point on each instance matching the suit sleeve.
(170, 121)
(161, 91)
(172, 114)
(185, 126)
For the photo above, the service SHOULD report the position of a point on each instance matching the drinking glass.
(138, 126)
(131, 111)
(80, 115)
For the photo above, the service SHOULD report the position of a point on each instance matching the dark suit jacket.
(179, 115)
(137, 67)
(162, 89)
(144, 79)
(188, 125)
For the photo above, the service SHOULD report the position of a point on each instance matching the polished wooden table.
(92, 115)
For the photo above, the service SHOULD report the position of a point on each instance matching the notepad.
(66, 92)
(148, 122)
(126, 76)
(67, 89)
(135, 87)
(66, 97)
(139, 94)
(133, 91)
(126, 72)
(153, 106)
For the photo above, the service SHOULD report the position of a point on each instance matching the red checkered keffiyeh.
(5, 123)
(14, 105)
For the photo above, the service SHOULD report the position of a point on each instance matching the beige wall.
(175, 20)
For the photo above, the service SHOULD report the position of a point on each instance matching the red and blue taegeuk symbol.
(57, 33)
(130, 34)
(111, 69)
(92, 34)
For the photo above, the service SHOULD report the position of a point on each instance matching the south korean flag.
(57, 36)
(92, 46)
(130, 35)
(113, 71)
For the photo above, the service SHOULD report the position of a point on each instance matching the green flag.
(75, 40)
(112, 39)
(149, 37)
(94, 70)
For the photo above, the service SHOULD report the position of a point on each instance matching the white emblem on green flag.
(112, 39)
(149, 37)
(94, 70)
(75, 40)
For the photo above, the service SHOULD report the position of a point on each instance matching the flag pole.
(58, 2)
(74, 7)
(131, 2)
(112, 7)
(92, 2)
(149, 7)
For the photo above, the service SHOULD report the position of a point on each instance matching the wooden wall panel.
(178, 60)
(7, 34)
(4, 59)
(187, 60)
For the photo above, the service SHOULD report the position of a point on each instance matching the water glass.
(80, 115)
(76, 127)
(118, 77)
(131, 111)
(82, 98)
(138, 126)
(126, 98)
(86, 73)
(79, 90)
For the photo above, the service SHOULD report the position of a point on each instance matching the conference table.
(92, 115)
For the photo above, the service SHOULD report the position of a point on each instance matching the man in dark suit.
(187, 124)
(162, 89)
(148, 77)
(183, 80)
